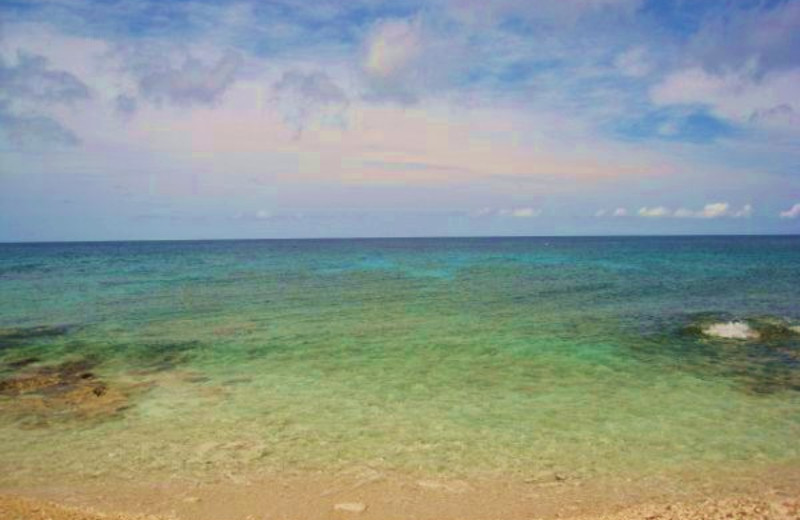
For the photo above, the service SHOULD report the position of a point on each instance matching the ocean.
(578, 357)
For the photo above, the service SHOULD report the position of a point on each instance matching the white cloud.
(600, 213)
(306, 97)
(526, 212)
(392, 50)
(739, 96)
(792, 212)
(620, 212)
(193, 83)
(405, 59)
(717, 209)
(659, 211)
(713, 210)
(633, 62)
(723, 209)
(31, 77)
(30, 89)
(392, 47)
(768, 35)
(31, 129)
(513, 212)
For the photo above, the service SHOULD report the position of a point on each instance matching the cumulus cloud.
(719, 209)
(739, 95)
(314, 86)
(524, 212)
(392, 47)
(304, 96)
(28, 88)
(793, 212)
(31, 78)
(194, 82)
(658, 211)
(264, 215)
(713, 210)
(405, 58)
(766, 38)
(744, 67)
(26, 130)
(392, 51)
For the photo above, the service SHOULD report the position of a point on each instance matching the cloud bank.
(362, 106)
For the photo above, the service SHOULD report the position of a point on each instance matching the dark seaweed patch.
(156, 356)
(21, 363)
(13, 337)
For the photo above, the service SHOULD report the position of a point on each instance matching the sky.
(194, 119)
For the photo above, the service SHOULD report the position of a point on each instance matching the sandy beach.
(764, 508)
(369, 494)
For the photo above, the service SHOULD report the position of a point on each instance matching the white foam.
(731, 330)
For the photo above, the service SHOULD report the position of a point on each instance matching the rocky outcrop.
(39, 395)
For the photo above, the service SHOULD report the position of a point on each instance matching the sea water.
(587, 357)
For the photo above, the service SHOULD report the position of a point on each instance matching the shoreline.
(372, 495)
(774, 507)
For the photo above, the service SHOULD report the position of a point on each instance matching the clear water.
(583, 356)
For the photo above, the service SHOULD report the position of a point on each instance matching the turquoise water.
(584, 356)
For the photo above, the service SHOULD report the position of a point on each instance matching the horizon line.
(411, 237)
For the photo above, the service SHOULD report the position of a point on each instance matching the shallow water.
(582, 357)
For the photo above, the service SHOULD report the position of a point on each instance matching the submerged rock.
(65, 391)
(14, 337)
(20, 363)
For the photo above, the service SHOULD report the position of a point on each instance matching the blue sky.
(287, 118)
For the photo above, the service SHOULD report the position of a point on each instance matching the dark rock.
(237, 381)
(19, 336)
(63, 392)
(21, 363)
(197, 379)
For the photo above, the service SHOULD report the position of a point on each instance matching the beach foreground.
(769, 507)
(401, 379)
(368, 494)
